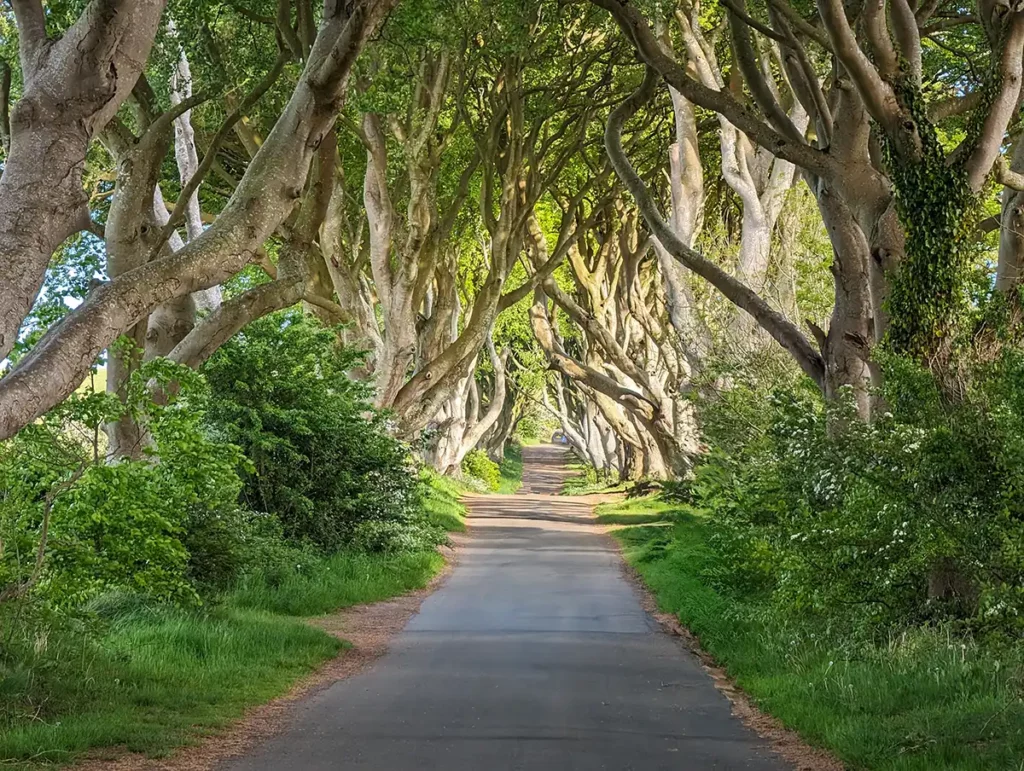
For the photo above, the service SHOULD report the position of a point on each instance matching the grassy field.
(926, 700)
(150, 678)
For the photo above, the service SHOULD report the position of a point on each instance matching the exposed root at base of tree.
(368, 628)
(785, 743)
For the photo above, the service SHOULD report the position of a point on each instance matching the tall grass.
(345, 579)
(153, 681)
(131, 674)
(925, 700)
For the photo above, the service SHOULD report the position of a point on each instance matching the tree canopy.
(610, 217)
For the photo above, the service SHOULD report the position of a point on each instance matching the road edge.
(783, 741)
(369, 629)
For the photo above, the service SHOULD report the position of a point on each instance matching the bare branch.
(802, 26)
(176, 111)
(654, 55)
(954, 105)
(5, 106)
(31, 21)
(746, 58)
(738, 10)
(285, 29)
(193, 184)
(990, 138)
(1007, 177)
(774, 323)
(876, 30)
(908, 36)
(877, 94)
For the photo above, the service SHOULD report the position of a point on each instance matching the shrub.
(117, 525)
(322, 460)
(477, 465)
(917, 516)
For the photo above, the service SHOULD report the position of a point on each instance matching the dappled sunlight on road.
(538, 503)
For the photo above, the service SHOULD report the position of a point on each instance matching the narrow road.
(534, 655)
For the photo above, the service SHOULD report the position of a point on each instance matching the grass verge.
(586, 480)
(156, 679)
(150, 678)
(925, 700)
(442, 501)
(511, 468)
(339, 581)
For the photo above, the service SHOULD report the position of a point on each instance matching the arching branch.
(773, 322)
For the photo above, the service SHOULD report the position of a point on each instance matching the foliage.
(477, 465)
(115, 525)
(939, 212)
(916, 517)
(917, 700)
(322, 461)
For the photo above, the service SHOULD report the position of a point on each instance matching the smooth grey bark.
(1010, 267)
(295, 278)
(404, 251)
(263, 199)
(73, 86)
(773, 322)
(132, 231)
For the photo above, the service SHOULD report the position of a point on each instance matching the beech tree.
(262, 200)
(413, 174)
(898, 206)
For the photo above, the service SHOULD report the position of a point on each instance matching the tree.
(897, 205)
(262, 200)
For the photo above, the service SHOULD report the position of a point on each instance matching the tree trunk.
(263, 199)
(72, 87)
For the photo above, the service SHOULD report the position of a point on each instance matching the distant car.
(559, 438)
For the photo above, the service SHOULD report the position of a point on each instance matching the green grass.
(926, 700)
(151, 678)
(443, 501)
(154, 681)
(640, 511)
(586, 480)
(511, 468)
(340, 581)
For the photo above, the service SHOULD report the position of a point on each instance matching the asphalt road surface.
(534, 655)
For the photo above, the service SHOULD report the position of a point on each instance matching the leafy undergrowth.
(148, 678)
(511, 468)
(924, 700)
(586, 480)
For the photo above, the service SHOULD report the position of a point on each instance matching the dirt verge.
(786, 743)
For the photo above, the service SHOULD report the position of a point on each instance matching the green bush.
(913, 518)
(119, 525)
(477, 465)
(322, 460)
